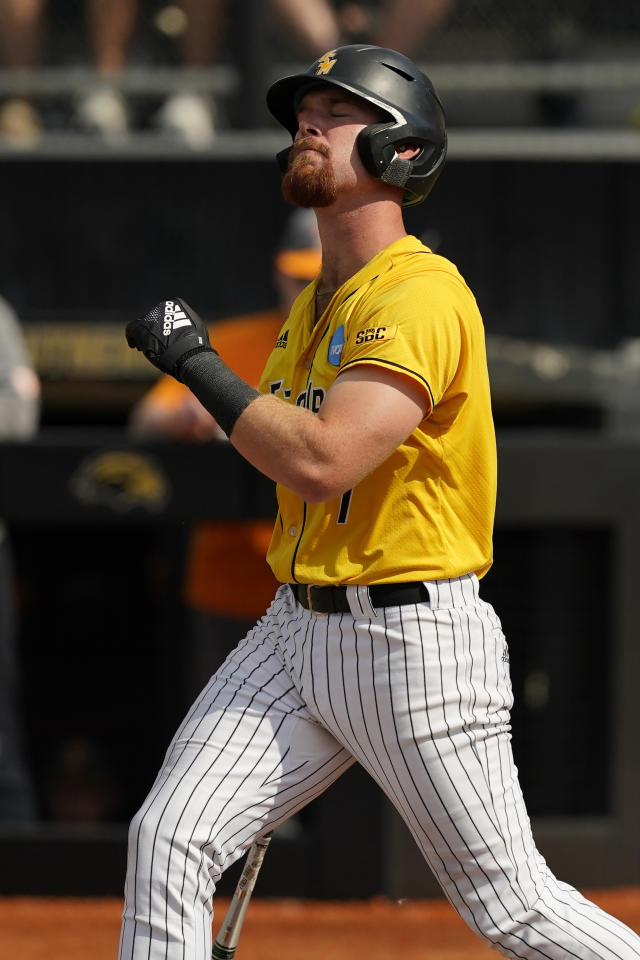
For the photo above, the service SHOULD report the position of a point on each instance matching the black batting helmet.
(392, 82)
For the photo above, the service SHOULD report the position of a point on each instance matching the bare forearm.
(290, 445)
(312, 454)
(285, 442)
(362, 419)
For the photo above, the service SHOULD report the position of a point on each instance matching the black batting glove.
(169, 333)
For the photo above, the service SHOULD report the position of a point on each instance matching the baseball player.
(373, 417)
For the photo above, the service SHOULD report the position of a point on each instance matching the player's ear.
(408, 151)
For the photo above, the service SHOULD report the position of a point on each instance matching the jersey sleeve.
(412, 327)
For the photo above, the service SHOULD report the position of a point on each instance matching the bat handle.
(226, 942)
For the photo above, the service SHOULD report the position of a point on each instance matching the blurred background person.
(23, 34)
(224, 556)
(110, 26)
(404, 25)
(19, 416)
(203, 36)
(311, 27)
(20, 49)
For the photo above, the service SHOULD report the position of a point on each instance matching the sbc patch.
(336, 347)
(376, 334)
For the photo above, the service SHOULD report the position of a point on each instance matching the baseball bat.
(226, 942)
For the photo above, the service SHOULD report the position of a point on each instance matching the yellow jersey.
(427, 512)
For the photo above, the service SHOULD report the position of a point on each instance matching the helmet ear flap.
(377, 149)
(371, 148)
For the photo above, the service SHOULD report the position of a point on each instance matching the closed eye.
(340, 108)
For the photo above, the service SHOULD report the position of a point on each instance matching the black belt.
(334, 599)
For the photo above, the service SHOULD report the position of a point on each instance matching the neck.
(351, 237)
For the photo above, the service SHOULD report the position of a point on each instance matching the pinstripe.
(418, 828)
(475, 755)
(585, 908)
(245, 834)
(442, 762)
(579, 934)
(147, 807)
(352, 739)
(312, 672)
(269, 777)
(378, 772)
(295, 800)
(472, 690)
(403, 805)
(491, 847)
(237, 762)
(222, 827)
(421, 698)
(202, 747)
(328, 676)
(488, 846)
(453, 824)
(362, 753)
(619, 929)
(192, 793)
(427, 717)
(504, 816)
(506, 771)
(285, 809)
(495, 820)
(299, 647)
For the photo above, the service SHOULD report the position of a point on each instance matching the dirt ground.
(79, 929)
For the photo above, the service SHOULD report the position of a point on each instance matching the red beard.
(307, 183)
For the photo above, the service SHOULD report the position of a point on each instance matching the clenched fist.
(167, 334)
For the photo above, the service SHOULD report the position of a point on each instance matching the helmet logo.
(326, 63)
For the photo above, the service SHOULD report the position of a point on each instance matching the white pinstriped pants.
(420, 696)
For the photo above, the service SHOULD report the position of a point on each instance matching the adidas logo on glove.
(167, 333)
(174, 317)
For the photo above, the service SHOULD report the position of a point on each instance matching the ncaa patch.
(336, 346)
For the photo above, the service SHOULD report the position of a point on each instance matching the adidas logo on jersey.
(174, 318)
(281, 342)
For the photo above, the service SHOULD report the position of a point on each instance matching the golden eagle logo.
(326, 63)
(121, 480)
